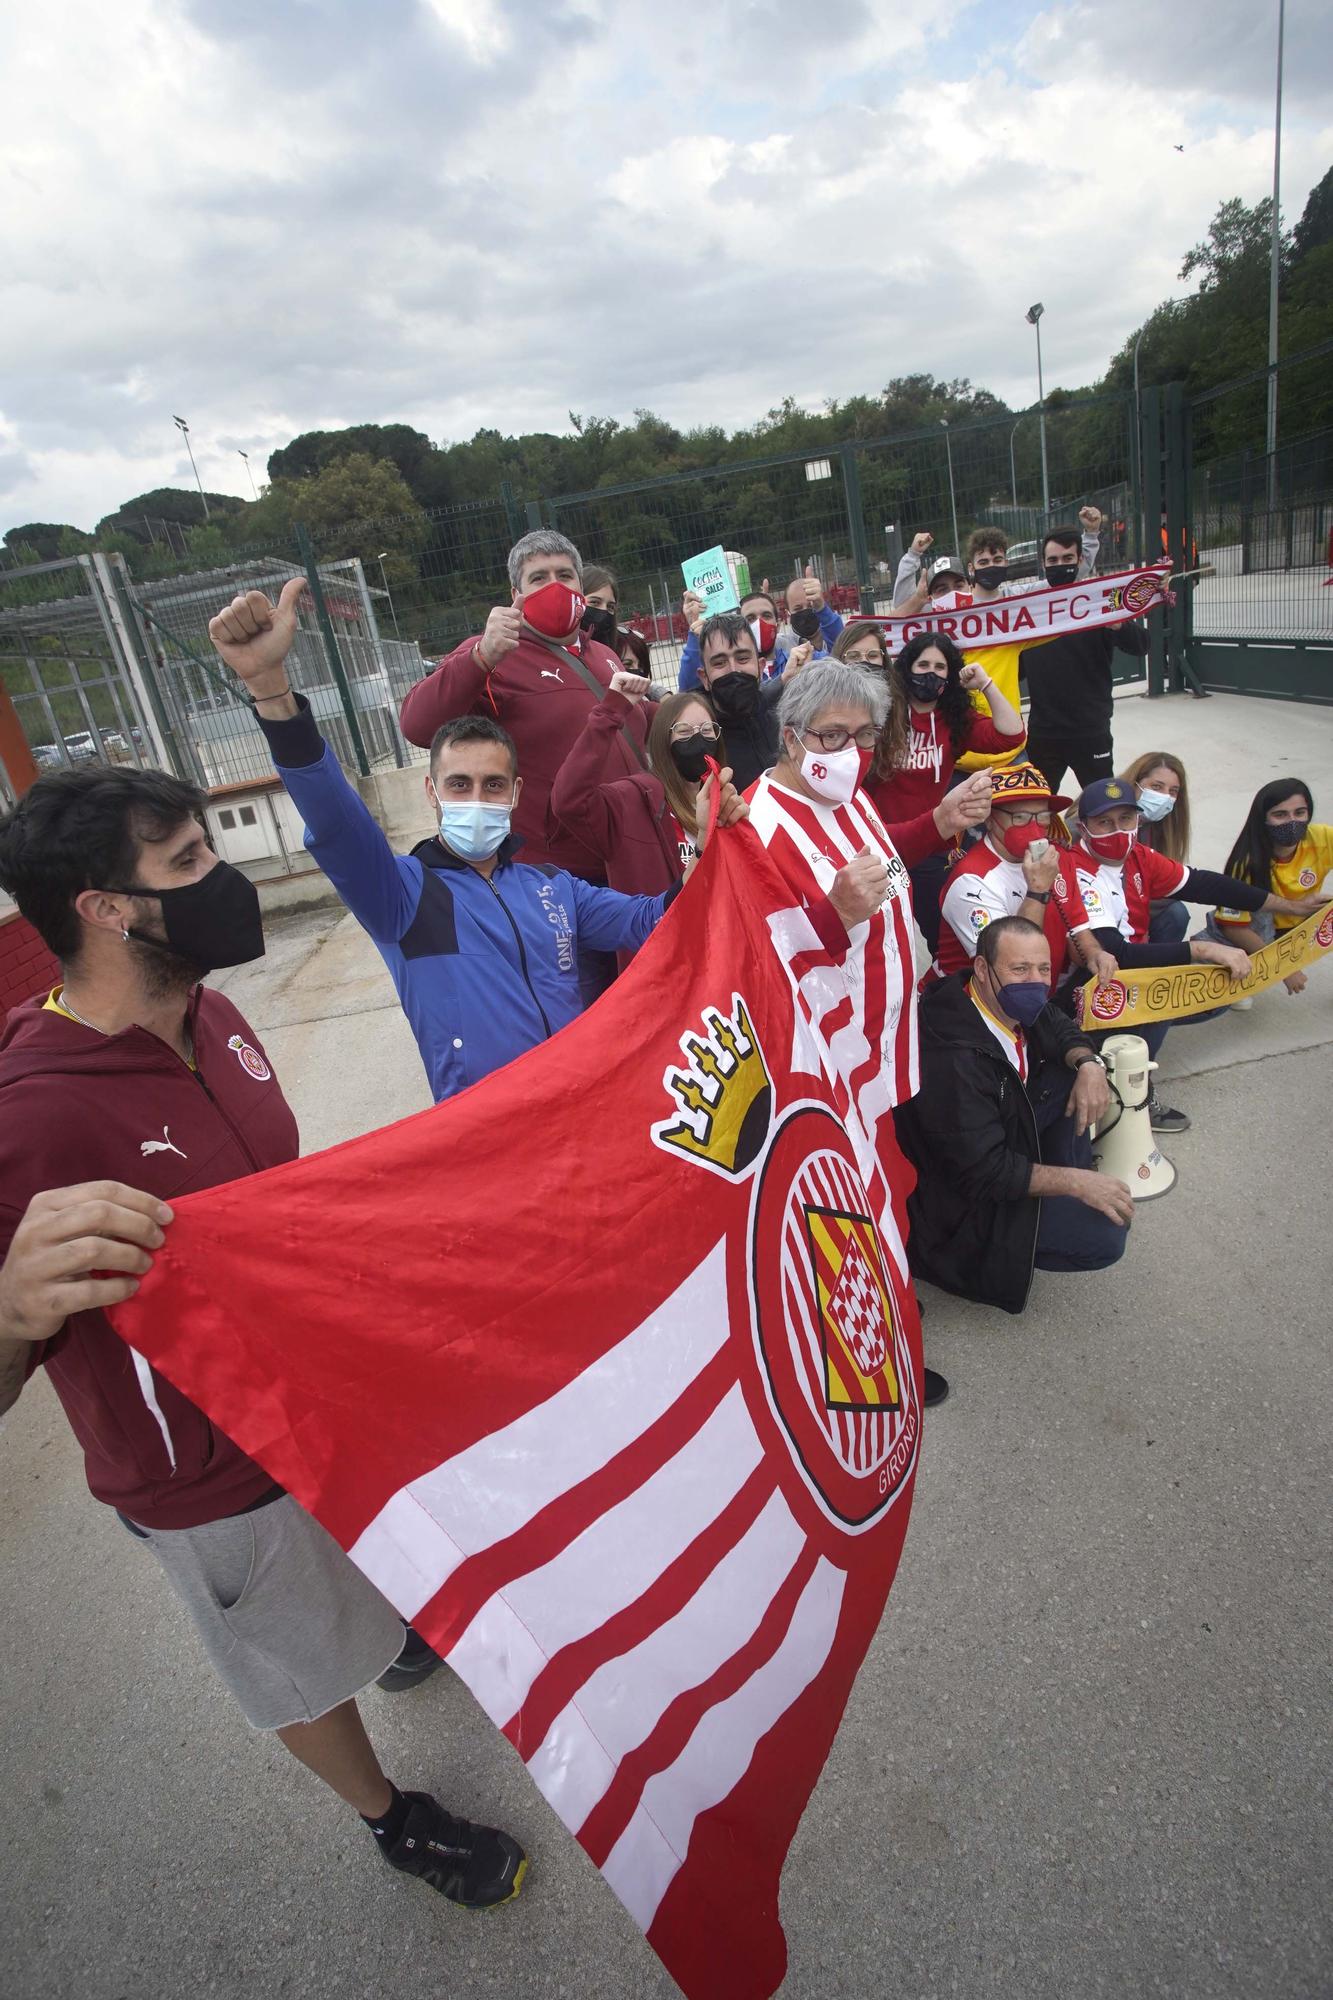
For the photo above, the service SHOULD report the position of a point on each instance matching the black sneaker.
(1163, 1119)
(476, 1866)
(416, 1663)
(936, 1389)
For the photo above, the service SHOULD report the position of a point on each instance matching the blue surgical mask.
(474, 832)
(1155, 805)
(1022, 1000)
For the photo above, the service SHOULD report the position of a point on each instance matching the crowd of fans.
(899, 794)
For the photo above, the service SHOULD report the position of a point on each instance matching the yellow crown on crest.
(722, 1099)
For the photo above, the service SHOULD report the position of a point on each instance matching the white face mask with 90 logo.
(832, 774)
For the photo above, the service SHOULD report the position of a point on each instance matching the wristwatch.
(1037, 896)
(1089, 1056)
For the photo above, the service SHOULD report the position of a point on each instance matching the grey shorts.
(287, 1619)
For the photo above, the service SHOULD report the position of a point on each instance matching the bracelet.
(281, 695)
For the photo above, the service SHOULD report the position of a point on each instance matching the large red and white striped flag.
(608, 1373)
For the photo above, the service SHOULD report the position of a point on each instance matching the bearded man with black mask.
(745, 706)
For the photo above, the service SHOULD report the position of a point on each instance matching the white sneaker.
(1243, 1006)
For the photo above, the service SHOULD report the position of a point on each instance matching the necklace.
(83, 1022)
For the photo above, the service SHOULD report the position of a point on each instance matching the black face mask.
(805, 624)
(992, 577)
(1058, 574)
(689, 754)
(925, 687)
(209, 923)
(599, 623)
(1287, 833)
(735, 696)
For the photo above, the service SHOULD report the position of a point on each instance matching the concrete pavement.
(1088, 1753)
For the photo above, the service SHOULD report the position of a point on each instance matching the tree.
(1315, 227)
(39, 541)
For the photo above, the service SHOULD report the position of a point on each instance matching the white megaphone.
(1123, 1145)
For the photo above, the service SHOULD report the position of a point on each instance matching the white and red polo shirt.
(983, 885)
(1122, 898)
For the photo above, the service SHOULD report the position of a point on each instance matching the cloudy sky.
(271, 216)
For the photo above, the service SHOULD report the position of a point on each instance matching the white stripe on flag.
(421, 1535)
(621, 1704)
(615, 1559)
(641, 1865)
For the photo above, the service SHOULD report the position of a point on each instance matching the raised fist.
(1091, 517)
(634, 687)
(921, 545)
(860, 888)
(504, 628)
(973, 676)
(253, 637)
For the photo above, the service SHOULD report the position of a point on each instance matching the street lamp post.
(1274, 254)
(388, 593)
(246, 456)
(1013, 476)
(1033, 317)
(184, 430)
(953, 504)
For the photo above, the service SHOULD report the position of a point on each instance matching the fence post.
(1150, 467)
(856, 522)
(1180, 538)
(325, 623)
(533, 510)
(512, 515)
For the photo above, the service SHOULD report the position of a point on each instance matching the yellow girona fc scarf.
(1174, 992)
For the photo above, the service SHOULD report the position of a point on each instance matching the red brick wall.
(26, 966)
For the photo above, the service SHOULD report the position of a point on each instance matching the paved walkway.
(1088, 1754)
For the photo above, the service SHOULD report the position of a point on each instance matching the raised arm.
(578, 796)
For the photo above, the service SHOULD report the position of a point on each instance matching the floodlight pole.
(250, 476)
(953, 504)
(1274, 259)
(1033, 317)
(184, 430)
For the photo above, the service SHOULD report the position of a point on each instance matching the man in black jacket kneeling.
(999, 1131)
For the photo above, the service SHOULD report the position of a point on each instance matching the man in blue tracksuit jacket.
(483, 949)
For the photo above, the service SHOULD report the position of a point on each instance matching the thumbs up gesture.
(253, 637)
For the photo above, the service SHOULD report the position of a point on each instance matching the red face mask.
(1109, 846)
(765, 636)
(554, 610)
(1017, 839)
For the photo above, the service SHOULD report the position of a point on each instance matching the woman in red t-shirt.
(942, 726)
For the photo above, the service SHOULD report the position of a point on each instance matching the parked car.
(1022, 558)
(81, 748)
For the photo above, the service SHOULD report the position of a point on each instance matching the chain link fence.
(1264, 522)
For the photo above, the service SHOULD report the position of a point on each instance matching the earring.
(125, 936)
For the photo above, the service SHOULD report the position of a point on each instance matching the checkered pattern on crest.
(857, 1309)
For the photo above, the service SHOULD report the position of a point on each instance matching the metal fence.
(1263, 526)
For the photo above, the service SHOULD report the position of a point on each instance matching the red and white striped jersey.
(864, 1001)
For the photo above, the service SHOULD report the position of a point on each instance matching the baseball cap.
(947, 566)
(1016, 784)
(1105, 794)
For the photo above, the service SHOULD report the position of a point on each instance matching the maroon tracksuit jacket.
(79, 1106)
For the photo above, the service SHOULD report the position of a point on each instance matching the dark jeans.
(1052, 751)
(1070, 1236)
(927, 880)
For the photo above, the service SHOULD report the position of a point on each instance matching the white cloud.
(271, 221)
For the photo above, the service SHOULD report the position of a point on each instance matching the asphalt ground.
(1088, 1753)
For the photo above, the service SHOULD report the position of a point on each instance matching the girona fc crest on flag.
(608, 1374)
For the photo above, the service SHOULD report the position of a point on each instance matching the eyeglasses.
(838, 739)
(1015, 818)
(680, 730)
